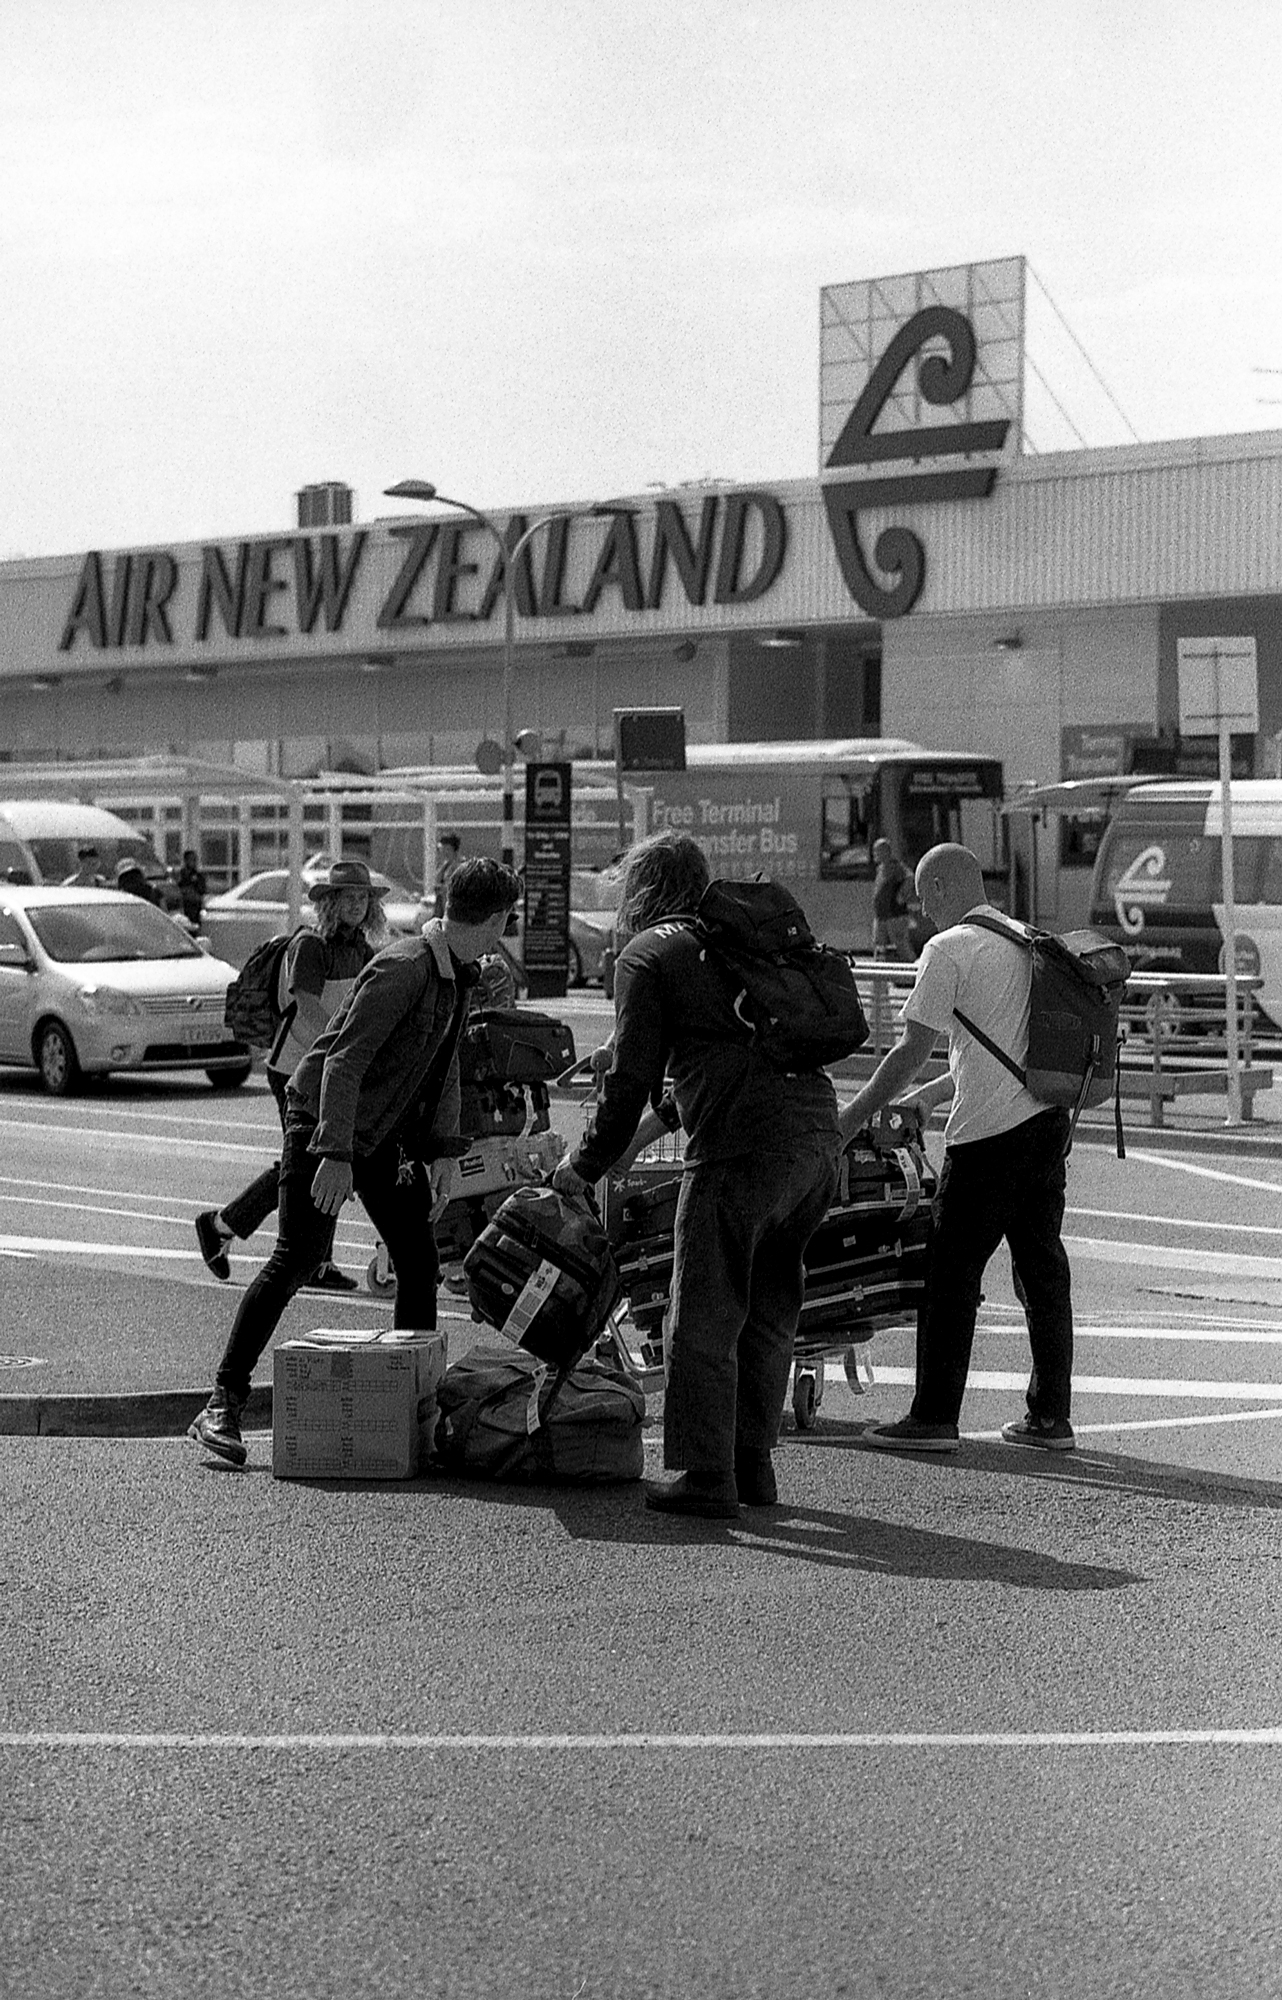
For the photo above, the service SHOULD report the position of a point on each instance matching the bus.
(1157, 882)
(808, 814)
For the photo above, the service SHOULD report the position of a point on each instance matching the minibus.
(1157, 881)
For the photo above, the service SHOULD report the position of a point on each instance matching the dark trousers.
(738, 1282)
(1012, 1186)
(394, 1189)
(250, 1209)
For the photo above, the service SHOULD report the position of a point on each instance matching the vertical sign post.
(1219, 693)
(547, 880)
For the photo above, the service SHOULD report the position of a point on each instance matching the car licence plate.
(197, 1033)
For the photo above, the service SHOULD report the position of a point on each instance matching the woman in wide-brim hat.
(349, 899)
(319, 970)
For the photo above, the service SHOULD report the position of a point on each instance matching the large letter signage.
(940, 381)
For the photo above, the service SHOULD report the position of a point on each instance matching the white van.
(39, 839)
(1157, 885)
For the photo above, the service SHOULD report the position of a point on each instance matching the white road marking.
(1164, 1256)
(269, 1122)
(1163, 1387)
(101, 1132)
(636, 1740)
(1178, 1221)
(74, 1187)
(1152, 1424)
(1205, 1173)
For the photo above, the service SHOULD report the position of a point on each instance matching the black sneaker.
(754, 1476)
(1047, 1433)
(909, 1435)
(213, 1244)
(218, 1428)
(330, 1279)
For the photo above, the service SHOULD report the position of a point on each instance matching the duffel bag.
(515, 1045)
(503, 1416)
(543, 1273)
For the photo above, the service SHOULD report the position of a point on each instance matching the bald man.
(1003, 1173)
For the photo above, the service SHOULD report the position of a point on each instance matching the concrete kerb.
(161, 1413)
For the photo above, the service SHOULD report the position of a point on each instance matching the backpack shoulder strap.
(1007, 1062)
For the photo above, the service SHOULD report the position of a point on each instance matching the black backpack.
(252, 1012)
(796, 999)
(1077, 986)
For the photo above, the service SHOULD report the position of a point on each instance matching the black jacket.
(674, 1013)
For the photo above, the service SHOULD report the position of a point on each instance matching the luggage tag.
(533, 1295)
(908, 1168)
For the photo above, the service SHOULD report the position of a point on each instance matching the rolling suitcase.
(542, 1272)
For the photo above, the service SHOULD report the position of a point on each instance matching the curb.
(158, 1413)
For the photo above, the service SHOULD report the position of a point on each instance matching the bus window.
(845, 846)
(1270, 880)
(924, 822)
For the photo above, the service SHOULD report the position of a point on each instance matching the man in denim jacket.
(372, 1109)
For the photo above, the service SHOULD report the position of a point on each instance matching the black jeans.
(1012, 1186)
(393, 1186)
(248, 1210)
(741, 1231)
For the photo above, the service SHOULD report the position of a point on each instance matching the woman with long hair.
(760, 1171)
(318, 972)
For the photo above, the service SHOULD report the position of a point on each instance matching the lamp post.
(423, 489)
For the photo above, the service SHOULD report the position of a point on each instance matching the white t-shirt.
(990, 981)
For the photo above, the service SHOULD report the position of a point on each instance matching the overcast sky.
(549, 250)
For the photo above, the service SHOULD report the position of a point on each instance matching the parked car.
(92, 980)
(242, 918)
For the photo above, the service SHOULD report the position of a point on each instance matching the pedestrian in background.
(760, 1171)
(88, 874)
(191, 887)
(448, 851)
(130, 878)
(891, 920)
(1003, 1172)
(318, 973)
(372, 1109)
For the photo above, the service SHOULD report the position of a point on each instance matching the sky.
(545, 251)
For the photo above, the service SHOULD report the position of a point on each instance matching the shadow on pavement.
(804, 1534)
(1094, 1471)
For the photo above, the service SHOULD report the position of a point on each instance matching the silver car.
(241, 919)
(93, 981)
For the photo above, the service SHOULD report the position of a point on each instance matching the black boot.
(218, 1428)
(754, 1476)
(708, 1495)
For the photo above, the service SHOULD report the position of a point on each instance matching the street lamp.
(423, 489)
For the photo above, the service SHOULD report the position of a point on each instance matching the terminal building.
(934, 581)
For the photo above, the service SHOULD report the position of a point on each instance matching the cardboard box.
(353, 1405)
(491, 1165)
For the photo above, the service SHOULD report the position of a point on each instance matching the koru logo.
(940, 380)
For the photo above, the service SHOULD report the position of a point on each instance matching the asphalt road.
(998, 1725)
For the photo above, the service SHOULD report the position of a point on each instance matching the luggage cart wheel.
(379, 1275)
(805, 1401)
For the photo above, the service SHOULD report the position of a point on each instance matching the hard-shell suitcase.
(503, 1416)
(543, 1273)
(866, 1262)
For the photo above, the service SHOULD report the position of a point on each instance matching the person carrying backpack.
(315, 974)
(372, 1110)
(761, 1161)
(1003, 1172)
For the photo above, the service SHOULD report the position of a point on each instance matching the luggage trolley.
(865, 1265)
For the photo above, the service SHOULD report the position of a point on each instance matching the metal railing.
(1173, 1027)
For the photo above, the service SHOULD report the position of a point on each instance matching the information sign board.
(546, 948)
